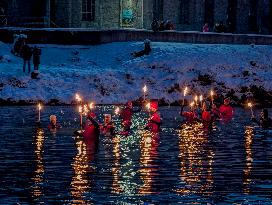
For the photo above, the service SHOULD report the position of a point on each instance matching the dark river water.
(182, 165)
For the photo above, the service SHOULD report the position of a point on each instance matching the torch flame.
(91, 105)
(145, 89)
(192, 104)
(148, 106)
(78, 98)
(212, 93)
(39, 106)
(185, 91)
(200, 98)
(196, 98)
(85, 107)
(249, 104)
(80, 109)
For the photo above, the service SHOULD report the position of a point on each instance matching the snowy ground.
(108, 74)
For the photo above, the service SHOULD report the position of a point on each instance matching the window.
(88, 10)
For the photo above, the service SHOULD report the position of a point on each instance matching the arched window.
(88, 10)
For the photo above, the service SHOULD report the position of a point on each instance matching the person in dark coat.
(26, 54)
(36, 62)
(169, 25)
(146, 51)
(162, 26)
(36, 57)
(155, 25)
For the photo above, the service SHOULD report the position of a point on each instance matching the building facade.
(241, 16)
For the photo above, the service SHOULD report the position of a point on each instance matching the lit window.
(88, 10)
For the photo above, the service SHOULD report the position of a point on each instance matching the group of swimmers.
(206, 113)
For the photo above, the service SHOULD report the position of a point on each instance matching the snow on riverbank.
(108, 74)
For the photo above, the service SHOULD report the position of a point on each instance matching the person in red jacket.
(206, 117)
(190, 116)
(154, 122)
(91, 134)
(226, 111)
(91, 129)
(126, 116)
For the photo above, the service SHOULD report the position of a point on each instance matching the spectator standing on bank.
(205, 28)
(26, 54)
(36, 57)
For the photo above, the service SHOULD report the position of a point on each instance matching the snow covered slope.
(109, 74)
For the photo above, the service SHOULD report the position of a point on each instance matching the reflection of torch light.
(117, 110)
(145, 90)
(251, 108)
(39, 110)
(184, 94)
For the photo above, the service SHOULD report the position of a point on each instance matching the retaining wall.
(85, 36)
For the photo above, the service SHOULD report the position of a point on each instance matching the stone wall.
(108, 13)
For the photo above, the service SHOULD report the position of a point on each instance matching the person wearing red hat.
(154, 122)
(206, 117)
(226, 111)
(91, 135)
(190, 116)
(91, 130)
(126, 116)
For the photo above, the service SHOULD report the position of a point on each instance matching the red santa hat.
(154, 105)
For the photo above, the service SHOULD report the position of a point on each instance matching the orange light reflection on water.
(149, 150)
(196, 160)
(249, 135)
(39, 170)
(80, 183)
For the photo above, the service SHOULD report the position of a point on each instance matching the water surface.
(184, 164)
